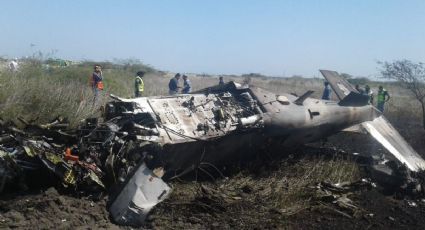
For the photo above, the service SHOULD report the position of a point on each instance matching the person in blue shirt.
(187, 87)
(327, 91)
(173, 85)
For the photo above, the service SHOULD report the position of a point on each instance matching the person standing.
(97, 81)
(139, 85)
(187, 87)
(383, 96)
(369, 93)
(327, 91)
(359, 90)
(173, 85)
(13, 65)
(220, 81)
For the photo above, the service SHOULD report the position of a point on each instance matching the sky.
(278, 38)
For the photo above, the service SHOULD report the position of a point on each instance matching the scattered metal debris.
(139, 142)
(338, 195)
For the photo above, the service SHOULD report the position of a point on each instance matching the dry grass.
(287, 187)
(36, 95)
(248, 199)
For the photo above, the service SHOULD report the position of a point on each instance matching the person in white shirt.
(13, 65)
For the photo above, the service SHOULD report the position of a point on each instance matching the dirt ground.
(243, 200)
(50, 210)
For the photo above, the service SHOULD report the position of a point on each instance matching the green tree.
(411, 75)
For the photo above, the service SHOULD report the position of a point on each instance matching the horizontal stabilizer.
(388, 136)
(302, 98)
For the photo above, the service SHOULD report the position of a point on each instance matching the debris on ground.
(338, 195)
(139, 143)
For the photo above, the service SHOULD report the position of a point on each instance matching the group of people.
(173, 85)
(382, 97)
(96, 83)
(366, 91)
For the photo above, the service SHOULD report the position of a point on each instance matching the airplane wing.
(387, 135)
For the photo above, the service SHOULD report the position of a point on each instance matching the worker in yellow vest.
(139, 85)
(383, 97)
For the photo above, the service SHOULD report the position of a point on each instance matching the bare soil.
(50, 210)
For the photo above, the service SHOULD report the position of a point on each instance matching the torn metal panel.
(140, 194)
(190, 116)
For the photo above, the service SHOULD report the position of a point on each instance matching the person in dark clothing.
(187, 86)
(359, 90)
(173, 85)
(220, 81)
(369, 93)
(97, 81)
(327, 91)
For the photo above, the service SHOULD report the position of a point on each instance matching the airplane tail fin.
(345, 92)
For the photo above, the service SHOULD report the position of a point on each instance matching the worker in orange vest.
(97, 81)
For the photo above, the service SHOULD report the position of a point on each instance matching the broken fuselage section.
(216, 126)
(221, 123)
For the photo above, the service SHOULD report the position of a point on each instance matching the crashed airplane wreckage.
(146, 141)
